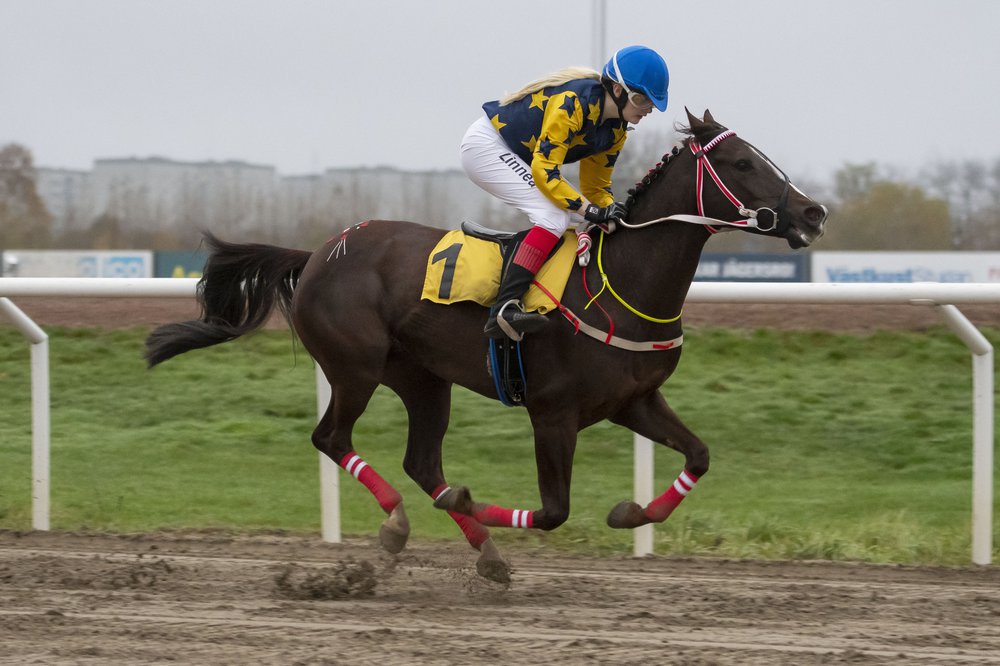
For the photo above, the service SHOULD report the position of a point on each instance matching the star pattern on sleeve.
(612, 159)
(538, 100)
(558, 134)
(530, 143)
(619, 134)
(545, 147)
(569, 104)
(574, 139)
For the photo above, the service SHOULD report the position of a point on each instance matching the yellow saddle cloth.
(465, 268)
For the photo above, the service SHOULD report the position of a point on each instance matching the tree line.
(946, 206)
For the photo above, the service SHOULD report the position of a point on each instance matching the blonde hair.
(553, 79)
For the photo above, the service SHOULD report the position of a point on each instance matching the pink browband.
(716, 141)
(701, 154)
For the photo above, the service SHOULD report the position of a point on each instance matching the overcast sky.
(307, 85)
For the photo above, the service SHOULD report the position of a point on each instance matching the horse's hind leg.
(555, 443)
(651, 417)
(332, 436)
(427, 399)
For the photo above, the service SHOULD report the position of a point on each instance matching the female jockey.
(517, 149)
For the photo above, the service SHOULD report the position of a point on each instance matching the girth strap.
(615, 341)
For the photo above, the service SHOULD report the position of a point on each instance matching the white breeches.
(493, 166)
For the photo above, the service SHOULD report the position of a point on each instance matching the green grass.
(823, 446)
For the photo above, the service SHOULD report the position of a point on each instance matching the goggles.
(639, 100)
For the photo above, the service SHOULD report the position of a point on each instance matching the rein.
(606, 284)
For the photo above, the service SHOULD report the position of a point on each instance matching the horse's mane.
(639, 188)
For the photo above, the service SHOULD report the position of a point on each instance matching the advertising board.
(78, 263)
(753, 267)
(906, 266)
(179, 263)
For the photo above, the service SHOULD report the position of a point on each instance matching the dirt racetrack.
(191, 598)
(209, 598)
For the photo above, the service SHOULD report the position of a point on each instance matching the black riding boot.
(514, 283)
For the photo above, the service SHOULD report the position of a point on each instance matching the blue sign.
(753, 267)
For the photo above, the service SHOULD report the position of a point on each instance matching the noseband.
(763, 219)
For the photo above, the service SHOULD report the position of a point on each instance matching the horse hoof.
(626, 515)
(491, 564)
(395, 530)
(457, 499)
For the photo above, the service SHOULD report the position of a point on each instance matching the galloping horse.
(356, 305)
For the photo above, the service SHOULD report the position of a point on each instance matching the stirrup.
(514, 322)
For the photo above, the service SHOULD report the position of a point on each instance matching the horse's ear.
(692, 121)
(708, 117)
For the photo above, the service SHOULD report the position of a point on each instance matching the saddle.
(504, 238)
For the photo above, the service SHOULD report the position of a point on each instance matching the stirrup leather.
(504, 325)
(514, 322)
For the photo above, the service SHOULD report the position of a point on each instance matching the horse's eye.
(743, 165)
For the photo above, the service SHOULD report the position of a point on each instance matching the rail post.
(40, 429)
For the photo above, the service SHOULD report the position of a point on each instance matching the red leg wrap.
(662, 506)
(496, 516)
(535, 248)
(474, 533)
(387, 496)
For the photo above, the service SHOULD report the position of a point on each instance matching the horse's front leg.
(651, 417)
(555, 443)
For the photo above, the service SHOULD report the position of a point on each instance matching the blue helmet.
(640, 69)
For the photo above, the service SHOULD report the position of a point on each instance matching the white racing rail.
(943, 297)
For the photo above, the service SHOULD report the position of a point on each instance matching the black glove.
(597, 215)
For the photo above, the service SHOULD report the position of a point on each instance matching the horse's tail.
(239, 289)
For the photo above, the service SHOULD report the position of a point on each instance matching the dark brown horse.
(356, 305)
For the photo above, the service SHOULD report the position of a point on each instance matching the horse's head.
(738, 184)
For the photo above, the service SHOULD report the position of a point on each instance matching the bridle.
(764, 219)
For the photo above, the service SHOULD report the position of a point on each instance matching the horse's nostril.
(815, 214)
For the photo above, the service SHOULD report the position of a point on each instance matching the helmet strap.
(624, 86)
(620, 100)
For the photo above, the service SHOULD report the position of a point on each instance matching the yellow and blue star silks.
(561, 125)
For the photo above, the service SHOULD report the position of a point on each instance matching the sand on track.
(211, 598)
